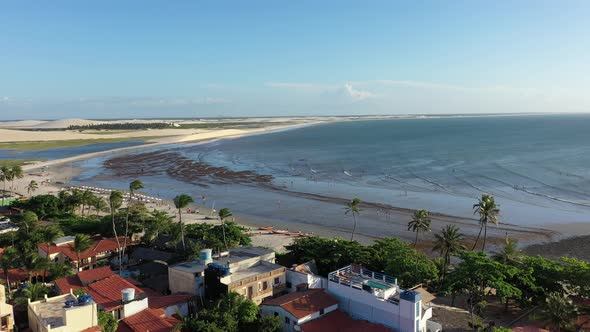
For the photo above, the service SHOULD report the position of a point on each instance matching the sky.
(131, 59)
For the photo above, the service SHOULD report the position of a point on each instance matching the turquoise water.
(536, 166)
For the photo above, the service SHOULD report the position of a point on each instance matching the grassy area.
(43, 145)
(17, 162)
(212, 125)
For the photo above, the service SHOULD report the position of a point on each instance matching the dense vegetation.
(122, 126)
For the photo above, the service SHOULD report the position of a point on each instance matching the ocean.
(535, 165)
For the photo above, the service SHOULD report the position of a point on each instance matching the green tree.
(33, 292)
(60, 270)
(4, 176)
(29, 222)
(488, 212)
(33, 262)
(397, 258)
(559, 312)
(510, 253)
(420, 223)
(7, 261)
(224, 213)
(329, 254)
(107, 321)
(99, 204)
(475, 274)
(44, 206)
(82, 242)
(48, 235)
(16, 172)
(181, 202)
(115, 202)
(353, 207)
(32, 187)
(448, 243)
(133, 187)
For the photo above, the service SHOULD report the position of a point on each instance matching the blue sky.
(113, 59)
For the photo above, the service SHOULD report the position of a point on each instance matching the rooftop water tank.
(128, 294)
(206, 256)
(85, 299)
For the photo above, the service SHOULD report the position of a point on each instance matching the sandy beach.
(378, 220)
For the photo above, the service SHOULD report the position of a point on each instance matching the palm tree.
(33, 262)
(353, 208)
(448, 243)
(115, 202)
(559, 311)
(224, 214)
(16, 172)
(81, 243)
(180, 202)
(99, 204)
(510, 254)
(419, 223)
(133, 186)
(4, 176)
(48, 235)
(488, 212)
(33, 292)
(59, 270)
(86, 199)
(32, 186)
(7, 261)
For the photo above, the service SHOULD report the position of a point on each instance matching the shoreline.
(198, 138)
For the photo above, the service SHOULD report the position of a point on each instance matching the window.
(289, 285)
(265, 285)
(276, 314)
(277, 280)
(418, 309)
(417, 325)
(321, 312)
(287, 320)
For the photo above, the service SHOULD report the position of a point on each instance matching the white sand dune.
(65, 123)
(21, 123)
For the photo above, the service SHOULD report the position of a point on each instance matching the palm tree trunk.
(416, 240)
(181, 229)
(354, 227)
(223, 232)
(478, 235)
(126, 225)
(117, 239)
(3, 192)
(485, 235)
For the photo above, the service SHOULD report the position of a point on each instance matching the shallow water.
(536, 166)
(59, 153)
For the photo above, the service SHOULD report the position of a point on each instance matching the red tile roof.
(83, 277)
(338, 321)
(88, 276)
(92, 329)
(152, 320)
(164, 301)
(301, 304)
(98, 246)
(65, 284)
(107, 292)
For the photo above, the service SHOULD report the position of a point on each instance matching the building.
(304, 274)
(117, 295)
(295, 309)
(338, 321)
(101, 249)
(377, 298)
(152, 320)
(6, 312)
(178, 303)
(82, 279)
(7, 226)
(63, 313)
(248, 271)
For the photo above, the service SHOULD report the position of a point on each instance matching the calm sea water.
(59, 153)
(536, 166)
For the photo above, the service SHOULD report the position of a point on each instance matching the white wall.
(363, 305)
(296, 278)
(134, 307)
(267, 310)
(181, 308)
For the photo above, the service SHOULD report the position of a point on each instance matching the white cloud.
(357, 94)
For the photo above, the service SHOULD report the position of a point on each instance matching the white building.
(295, 309)
(63, 313)
(377, 298)
(304, 274)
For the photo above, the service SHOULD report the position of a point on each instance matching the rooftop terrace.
(355, 276)
(52, 311)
